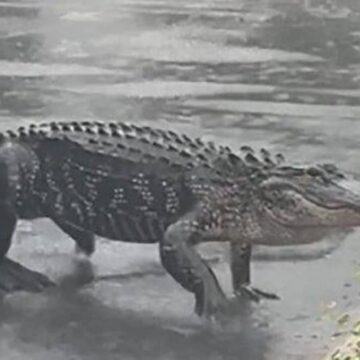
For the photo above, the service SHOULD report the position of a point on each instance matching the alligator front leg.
(14, 276)
(180, 259)
(240, 257)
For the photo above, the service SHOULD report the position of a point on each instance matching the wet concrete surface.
(266, 73)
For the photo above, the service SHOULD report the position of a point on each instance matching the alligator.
(141, 184)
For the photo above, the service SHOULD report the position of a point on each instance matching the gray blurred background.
(278, 74)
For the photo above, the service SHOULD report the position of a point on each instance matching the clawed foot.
(210, 301)
(15, 277)
(254, 294)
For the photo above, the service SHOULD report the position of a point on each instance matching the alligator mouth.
(333, 198)
(328, 197)
(328, 216)
(330, 207)
(280, 232)
(326, 204)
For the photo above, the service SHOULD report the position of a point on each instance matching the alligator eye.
(314, 172)
(333, 171)
(330, 168)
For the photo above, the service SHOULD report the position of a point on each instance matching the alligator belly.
(123, 227)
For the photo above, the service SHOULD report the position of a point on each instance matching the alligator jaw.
(339, 202)
(314, 203)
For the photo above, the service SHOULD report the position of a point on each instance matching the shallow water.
(265, 73)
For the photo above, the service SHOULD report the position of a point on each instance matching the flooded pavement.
(263, 73)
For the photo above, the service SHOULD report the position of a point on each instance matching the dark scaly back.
(121, 181)
(142, 148)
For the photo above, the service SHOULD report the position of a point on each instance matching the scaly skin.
(145, 185)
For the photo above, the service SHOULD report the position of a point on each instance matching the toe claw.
(266, 295)
(254, 294)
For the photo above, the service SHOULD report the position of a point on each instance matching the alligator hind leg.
(85, 240)
(180, 259)
(14, 276)
(240, 271)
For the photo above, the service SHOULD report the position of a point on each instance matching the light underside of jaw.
(299, 236)
(274, 231)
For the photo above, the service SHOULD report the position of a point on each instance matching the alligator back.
(116, 180)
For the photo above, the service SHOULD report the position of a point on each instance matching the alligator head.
(302, 205)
